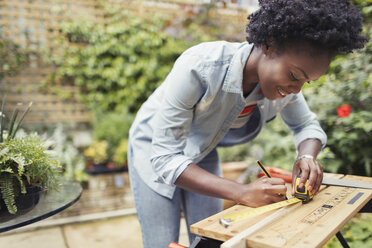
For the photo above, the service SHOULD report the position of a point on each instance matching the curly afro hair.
(333, 25)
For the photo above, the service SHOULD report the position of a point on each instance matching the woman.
(221, 93)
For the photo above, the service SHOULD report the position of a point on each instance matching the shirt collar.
(255, 95)
(234, 76)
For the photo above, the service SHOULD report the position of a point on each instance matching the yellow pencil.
(265, 172)
(263, 168)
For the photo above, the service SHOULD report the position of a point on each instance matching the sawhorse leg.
(342, 240)
(202, 242)
(199, 242)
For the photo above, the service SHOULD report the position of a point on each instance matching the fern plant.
(23, 161)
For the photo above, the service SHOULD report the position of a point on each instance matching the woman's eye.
(292, 76)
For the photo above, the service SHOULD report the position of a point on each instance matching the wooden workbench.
(308, 225)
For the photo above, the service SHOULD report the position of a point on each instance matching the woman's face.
(286, 72)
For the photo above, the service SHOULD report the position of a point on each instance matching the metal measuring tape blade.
(229, 219)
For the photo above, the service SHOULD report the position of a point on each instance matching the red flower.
(344, 110)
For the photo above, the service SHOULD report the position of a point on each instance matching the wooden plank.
(211, 228)
(314, 223)
(239, 241)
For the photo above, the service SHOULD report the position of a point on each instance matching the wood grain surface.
(310, 225)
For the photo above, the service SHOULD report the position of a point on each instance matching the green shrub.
(117, 64)
(120, 155)
(113, 128)
(347, 84)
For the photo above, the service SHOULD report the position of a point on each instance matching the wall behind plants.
(13, 57)
(32, 25)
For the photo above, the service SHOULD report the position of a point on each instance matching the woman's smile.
(284, 71)
(282, 93)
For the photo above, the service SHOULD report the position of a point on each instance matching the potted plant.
(96, 156)
(107, 153)
(26, 168)
(120, 156)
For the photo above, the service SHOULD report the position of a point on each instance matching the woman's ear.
(267, 49)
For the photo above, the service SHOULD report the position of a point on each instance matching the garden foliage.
(116, 64)
(342, 100)
(357, 233)
(68, 155)
(113, 128)
(13, 57)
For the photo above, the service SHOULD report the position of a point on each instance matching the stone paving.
(116, 232)
(103, 217)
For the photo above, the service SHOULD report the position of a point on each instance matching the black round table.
(50, 203)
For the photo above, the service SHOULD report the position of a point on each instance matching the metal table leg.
(203, 242)
(366, 209)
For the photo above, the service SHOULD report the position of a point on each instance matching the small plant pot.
(103, 169)
(24, 202)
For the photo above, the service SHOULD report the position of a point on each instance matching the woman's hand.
(261, 192)
(310, 168)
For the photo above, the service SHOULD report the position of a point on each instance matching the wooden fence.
(35, 24)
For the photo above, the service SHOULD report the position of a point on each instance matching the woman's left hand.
(310, 168)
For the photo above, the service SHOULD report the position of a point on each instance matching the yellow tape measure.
(228, 219)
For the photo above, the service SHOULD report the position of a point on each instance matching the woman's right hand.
(262, 191)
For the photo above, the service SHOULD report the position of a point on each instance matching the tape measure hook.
(225, 222)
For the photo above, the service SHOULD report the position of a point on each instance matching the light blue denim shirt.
(192, 111)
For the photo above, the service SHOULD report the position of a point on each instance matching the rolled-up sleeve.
(302, 121)
(184, 86)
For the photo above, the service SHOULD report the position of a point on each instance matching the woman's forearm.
(309, 147)
(200, 181)
(258, 193)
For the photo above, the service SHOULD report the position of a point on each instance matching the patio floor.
(104, 216)
(109, 230)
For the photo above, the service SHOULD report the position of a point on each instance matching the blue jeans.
(159, 216)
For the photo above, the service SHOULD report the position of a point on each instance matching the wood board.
(310, 225)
